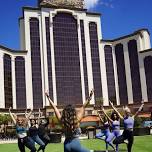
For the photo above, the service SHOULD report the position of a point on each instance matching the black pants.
(45, 138)
(26, 141)
(127, 134)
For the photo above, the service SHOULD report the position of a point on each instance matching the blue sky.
(119, 17)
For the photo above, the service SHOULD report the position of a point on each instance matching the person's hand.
(10, 109)
(90, 95)
(111, 103)
(47, 94)
(142, 102)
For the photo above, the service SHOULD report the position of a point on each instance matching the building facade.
(62, 51)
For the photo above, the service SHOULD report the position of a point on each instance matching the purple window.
(148, 73)
(67, 62)
(20, 82)
(134, 68)
(8, 81)
(110, 73)
(36, 63)
(121, 74)
(95, 60)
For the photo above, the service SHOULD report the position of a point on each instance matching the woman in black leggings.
(128, 121)
(21, 130)
(43, 130)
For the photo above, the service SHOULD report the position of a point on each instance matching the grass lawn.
(141, 144)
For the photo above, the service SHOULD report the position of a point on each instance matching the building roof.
(61, 3)
(127, 36)
(90, 118)
(12, 50)
(56, 7)
(148, 50)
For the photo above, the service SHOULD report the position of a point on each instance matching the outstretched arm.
(82, 109)
(39, 116)
(106, 115)
(102, 121)
(12, 116)
(115, 109)
(136, 114)
(29, 114)
(57, 113)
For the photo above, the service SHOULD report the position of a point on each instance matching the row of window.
(121, 72)
(68, 90)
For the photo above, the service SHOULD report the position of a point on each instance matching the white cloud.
(91, 3)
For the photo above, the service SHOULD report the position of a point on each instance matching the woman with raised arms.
(128, 121)
(70, 120)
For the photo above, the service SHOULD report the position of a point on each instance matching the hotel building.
(62, 51)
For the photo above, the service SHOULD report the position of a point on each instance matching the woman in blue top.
(105, 133)
(115, 124)
(128, 121)
(70, 120)
(21, 130)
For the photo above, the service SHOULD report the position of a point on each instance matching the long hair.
(19, 118)
(112, 116)
(69, 118)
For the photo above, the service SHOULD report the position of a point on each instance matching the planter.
(141, 131)
(55, 137)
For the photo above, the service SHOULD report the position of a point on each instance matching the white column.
(42, 49)
(142, 74)
(28, 66)
(2, 96)
(102, 65)
(13, 82)
(103, 75)
(81, 62)
(128, 73)
(115, 75)
(88, 58)
(44, 54)
(53, 60)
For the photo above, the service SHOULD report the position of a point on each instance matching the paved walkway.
(8, 141)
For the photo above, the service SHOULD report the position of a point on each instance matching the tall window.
(148, 73)
(84, 58)
(95, 60)
(67, 61)
(48, 44)
(8, 81)
(121, 74)
(20, 82)
(134, 67)
(36, 63)
(110, 73)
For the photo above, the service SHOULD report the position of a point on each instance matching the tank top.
(33, 131)
(73, 134)
(106, 128)
(21, 131)
(128, 123)
(116, 125)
